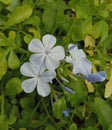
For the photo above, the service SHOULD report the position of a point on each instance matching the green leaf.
(3, 123)
(19, 15)
(98, 31)
(34, 20)
(108, 87)
(110, 127)
(12, 119)
(13, 60)
(103, 111)
(13, 5)
(3, 66)
(107, 44)
(27, 101)
(6, 1)
(83, 9)
(49, 127)
(59, 107)
(13, 87)
(3, 40)
(73, 126)
(80, 92)
(89, 128)
(49, 19)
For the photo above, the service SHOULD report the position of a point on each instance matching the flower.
(38, 78)
(82, 65)
(46, 54)
(77, 58)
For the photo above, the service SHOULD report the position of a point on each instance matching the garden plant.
(55, 64)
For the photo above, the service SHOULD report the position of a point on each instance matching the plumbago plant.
(55, 65)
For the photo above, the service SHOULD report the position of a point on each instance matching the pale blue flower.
(39, 78)
(45, 52)
(83, 66)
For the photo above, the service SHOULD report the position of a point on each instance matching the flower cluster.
(46, 58)
(42, 65)
(83, 66)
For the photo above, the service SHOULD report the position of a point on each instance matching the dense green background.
(86, 22)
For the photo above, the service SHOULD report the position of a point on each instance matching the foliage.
(87, 23)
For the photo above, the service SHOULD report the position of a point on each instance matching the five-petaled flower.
(42, 65)
(82, 65)
(39, 78)
(45, 53)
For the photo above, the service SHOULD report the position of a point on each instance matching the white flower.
(46, 54)
(78, 59)
(82, 65)
(38, 78)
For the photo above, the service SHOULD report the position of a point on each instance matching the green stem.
(70, 74)
(36, 107)
(71, 28)
(47, 112)
(2, 106)
(22, 50)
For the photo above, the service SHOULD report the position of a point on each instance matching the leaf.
(19, 15)
(13, 87)
(49, 19)
(108, 87)
(89, 86)
(107, 44)
(13, 5)
(6, 1)
(73, 126)
(80, 92)
(58, 107)
(103, 111)
(22, 129)
(110, 127)
(89, 128)
(103, 13)
(12, 119)
(89, 41)
(49, 127)
(27, 101)
(3, 66)
(98, 31)
(13, 60)
(33, 20)
(3, 123)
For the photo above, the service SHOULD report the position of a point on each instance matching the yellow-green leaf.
(3, 66)
(13, 60)
(89, 86)
(6, 1)
(108, 88)
(89, 41)
(20, 14)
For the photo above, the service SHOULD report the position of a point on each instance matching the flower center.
(46, 52)
(38, 76)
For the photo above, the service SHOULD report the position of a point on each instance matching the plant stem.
(2, 106)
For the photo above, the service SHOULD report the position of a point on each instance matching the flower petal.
(37, 59)
(29, 85)
(51, 63)
(97, 77)
(75, 52)
(43, 88)
(58, 52)
(48, 76)
(69, 59)
(36, 46)
(69, 90)
(83, 67)
(48, 41)
(27, 69)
